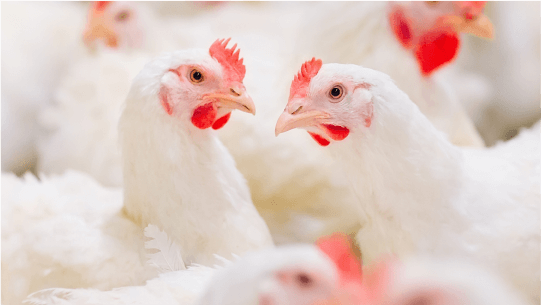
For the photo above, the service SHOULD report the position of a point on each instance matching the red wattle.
(337, 133)
(204, 116)
(434, 50)
(221, 121)
(319, 139)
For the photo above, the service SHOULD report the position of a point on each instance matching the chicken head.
(210, 87)
(431, 28)
(114, 23)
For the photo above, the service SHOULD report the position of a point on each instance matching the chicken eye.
(432, 3)
(122, 16)
(196, 76)
(336, 92)
(304, 280)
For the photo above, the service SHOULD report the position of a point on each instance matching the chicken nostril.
(296, 111)
(235, 93)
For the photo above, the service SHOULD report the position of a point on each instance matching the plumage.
(194, 192)
(37, 48)
(417, 192)
(368, 40)
(256, 272)
(292, 200)
(79, 130)
(165, 255)
(430, 280)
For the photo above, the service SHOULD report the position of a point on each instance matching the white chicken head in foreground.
(332, 101)
(328, 101)
(205, 89)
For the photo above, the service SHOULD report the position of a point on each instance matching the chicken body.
(419, 193)
(67, 231)
(176, 287)
(80, 130)
(194, 192)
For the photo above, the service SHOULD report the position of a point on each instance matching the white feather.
(167, 257)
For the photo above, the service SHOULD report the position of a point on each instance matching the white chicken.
(417, 192)
(79, 131)
(408, 41)
(192, 189)
(37, 48)
(431, 281)
(286, 275)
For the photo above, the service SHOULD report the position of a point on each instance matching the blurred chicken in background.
(498, 81)
(39, 41)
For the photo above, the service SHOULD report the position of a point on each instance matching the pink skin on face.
(315, 112)
(299, 90)
(225, 93)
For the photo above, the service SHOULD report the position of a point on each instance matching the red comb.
(100, 6)
(471, 9)
(234, 69)
(299, 86)
(338, 247)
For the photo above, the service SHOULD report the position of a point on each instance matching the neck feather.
(183, 180)
(404, 173)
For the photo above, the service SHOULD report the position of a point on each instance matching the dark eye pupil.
(335, 91)
(304, 279)
(197, 75)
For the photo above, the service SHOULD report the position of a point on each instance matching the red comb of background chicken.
(99, 6)
(471, 9)
(234, 69)
(338, 247)
(299, 86)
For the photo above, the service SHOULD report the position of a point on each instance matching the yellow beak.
(480, 26)
(288, 121)
(236, 98)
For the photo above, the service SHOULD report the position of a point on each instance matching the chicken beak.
(288, 121)
(96, 29)
(236, 98)
(479, 26)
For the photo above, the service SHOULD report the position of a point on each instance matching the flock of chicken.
(147, 189)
